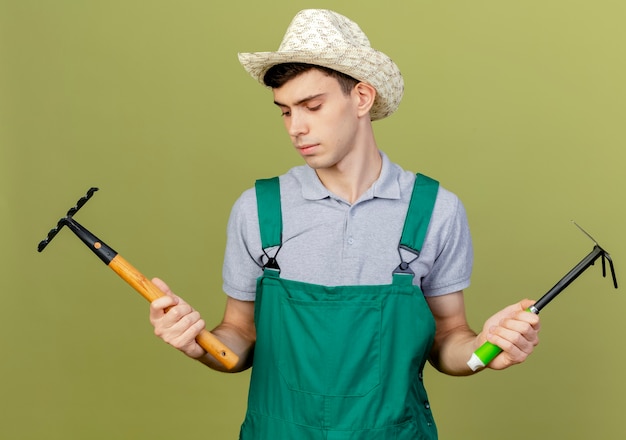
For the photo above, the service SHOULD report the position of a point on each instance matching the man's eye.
(314, 108)
(285, 113)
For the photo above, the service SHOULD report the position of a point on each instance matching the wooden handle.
(149, 291)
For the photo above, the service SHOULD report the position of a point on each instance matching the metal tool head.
(63, 221)
(603, 253)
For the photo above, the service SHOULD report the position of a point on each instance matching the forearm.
(513, 329)
(451, 351)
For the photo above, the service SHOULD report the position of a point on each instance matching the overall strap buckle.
(270, 219)
(417, 220)
(271, 262)
(404, 266)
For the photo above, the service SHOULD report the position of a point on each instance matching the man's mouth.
(306, 149)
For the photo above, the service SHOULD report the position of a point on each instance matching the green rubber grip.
(487, 352)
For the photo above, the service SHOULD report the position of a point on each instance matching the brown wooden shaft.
(149, 291)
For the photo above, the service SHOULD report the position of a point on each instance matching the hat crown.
(316, 29)
(325, 38)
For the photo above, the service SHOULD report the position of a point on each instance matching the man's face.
(320, 118)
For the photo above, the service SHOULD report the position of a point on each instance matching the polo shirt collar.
(387, 186)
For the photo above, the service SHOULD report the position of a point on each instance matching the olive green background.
(517, 106)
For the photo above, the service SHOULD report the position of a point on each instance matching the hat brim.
(364, 64)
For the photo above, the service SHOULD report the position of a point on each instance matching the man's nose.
(297, 124)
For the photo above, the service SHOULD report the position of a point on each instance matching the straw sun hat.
(326, 38)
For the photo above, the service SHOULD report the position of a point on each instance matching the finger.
(517, 341)
(520, 312)
(175, 323)
(519, 334)
(181, 311)
(163, 287)
(526, 303)
(164, 302)
(160, 303)
(188, 329)
(159, 308)
(531, 319)
(161, 284)
(183, 335)
(512, 353)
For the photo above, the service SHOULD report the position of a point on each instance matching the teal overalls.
(342, 362)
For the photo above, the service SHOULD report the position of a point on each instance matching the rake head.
(64, 220)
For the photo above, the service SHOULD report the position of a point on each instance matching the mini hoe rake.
(488, 351)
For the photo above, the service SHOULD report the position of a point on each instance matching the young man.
(346, 274)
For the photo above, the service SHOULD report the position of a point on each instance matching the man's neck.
(354, 176)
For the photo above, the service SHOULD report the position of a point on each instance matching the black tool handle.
(596, 252)
(101, 249)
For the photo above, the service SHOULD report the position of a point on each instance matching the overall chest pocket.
(330, 348)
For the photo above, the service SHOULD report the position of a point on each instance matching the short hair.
(279, 74)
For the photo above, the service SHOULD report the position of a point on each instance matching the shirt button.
(350, 240)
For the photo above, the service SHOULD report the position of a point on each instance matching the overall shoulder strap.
(418, 215)
(269, 210)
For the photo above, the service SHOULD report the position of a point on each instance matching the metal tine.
(81, 202)
(611, 266)
(54, 231)
(73, 210)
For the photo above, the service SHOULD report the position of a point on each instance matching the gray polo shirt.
(331, 242)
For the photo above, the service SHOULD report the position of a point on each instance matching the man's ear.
(366, 94)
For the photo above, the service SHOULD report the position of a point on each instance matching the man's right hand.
(176, 322)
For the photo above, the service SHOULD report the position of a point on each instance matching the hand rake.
(132, 276)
